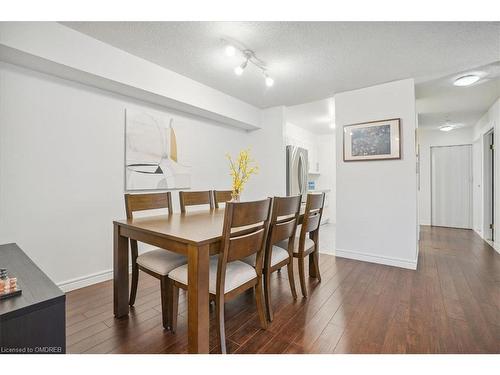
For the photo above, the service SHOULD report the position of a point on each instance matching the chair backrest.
(222, 196)
(195, 198)
(244, 233)
(143, 202)
(284, 218)
(283, 224)
(312, 215)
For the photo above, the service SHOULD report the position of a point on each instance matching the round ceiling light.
(466, 80)
(447, 126)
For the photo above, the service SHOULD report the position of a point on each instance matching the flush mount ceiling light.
(249, 56)
(466, 80)
(448, 127)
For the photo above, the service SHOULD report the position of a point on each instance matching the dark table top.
(38, 290)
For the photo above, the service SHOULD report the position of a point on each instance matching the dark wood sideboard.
(33, 322)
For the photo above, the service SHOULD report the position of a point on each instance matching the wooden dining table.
(196, 234)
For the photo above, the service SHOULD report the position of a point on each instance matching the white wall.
(433, 137)
(62, 165)
(59, 50)
(327, 178)
(268, 149)
(490, 120)
(377, 200)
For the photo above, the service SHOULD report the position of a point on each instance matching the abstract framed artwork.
(152, 154)
(374, 140)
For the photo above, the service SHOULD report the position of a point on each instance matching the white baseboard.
(396, 262)
(83, 281)
(494, 245)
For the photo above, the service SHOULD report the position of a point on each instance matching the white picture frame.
(374, 140)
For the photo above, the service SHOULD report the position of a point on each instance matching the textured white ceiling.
(308, 60)
(439, 100)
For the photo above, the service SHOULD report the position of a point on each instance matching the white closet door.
(451, 186)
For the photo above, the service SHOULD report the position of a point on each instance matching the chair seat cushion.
(278, 254)
(308, 244)
(237, 273)
(161, 261)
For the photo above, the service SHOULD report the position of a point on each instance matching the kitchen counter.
(320, 191)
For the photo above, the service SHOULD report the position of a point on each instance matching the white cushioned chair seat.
(308, 243)
(161, 261)
(237, 273)
(278, 254)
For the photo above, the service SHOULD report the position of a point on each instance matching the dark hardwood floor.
(451, 304)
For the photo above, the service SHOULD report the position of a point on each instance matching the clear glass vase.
(235, 196)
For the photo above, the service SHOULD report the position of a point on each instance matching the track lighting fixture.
(249, 57)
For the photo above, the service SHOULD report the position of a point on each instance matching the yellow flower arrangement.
(241, 170)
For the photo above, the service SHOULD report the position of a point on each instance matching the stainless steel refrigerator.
(297, 167)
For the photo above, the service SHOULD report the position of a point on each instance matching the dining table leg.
(198, 314)
(312, 266)
(120, 273)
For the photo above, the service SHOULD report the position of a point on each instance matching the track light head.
(249, 57)
(239, 69)
(230, 50)
(269, 81)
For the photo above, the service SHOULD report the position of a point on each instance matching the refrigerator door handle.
(306, 174)
(300, 175)
(305, 179)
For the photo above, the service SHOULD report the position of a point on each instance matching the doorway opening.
(488, 185)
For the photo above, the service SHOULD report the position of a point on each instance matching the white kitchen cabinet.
(313, 160)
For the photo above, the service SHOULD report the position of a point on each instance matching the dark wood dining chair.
(244, 233)
(195, 198)
(158, 262)
(282, 227)
(222, 196)
(305, 245)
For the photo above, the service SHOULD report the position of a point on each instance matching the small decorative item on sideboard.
(8, 285)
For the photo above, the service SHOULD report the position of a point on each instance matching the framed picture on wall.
(374, 140)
